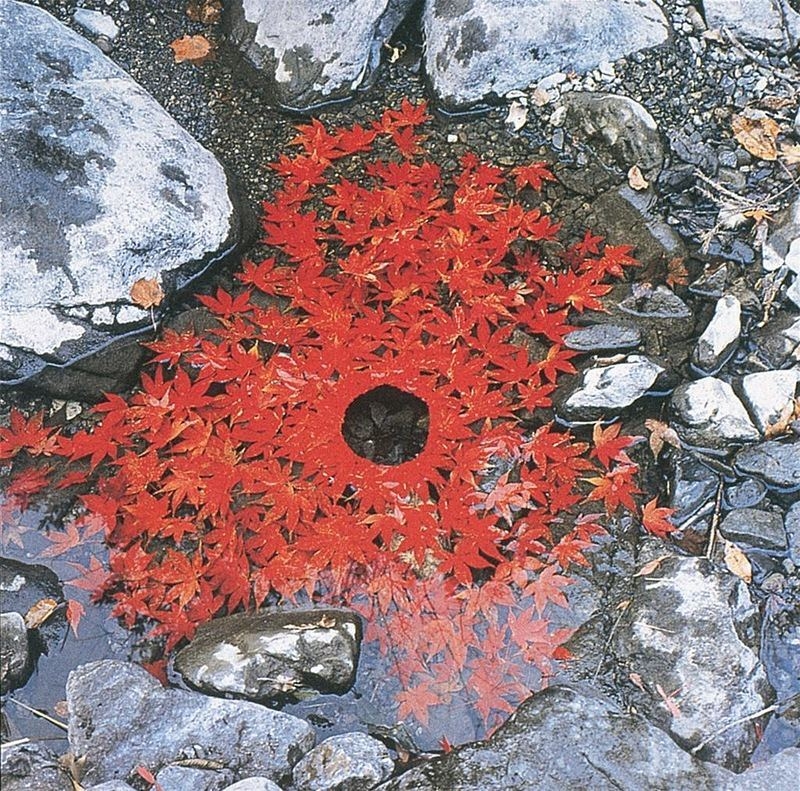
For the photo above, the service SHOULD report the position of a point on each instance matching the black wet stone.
(386, 425)
(751, 527)
(744, 494)
(777, 463)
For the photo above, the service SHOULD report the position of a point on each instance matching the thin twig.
(15, 743)
(608, 642)
(712, 537)
(790, 78)
(748, 718)
(41, 714)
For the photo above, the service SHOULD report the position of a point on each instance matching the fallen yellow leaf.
(146, 293)
(40, 612)
(737, 562)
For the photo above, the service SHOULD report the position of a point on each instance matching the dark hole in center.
(386, 425)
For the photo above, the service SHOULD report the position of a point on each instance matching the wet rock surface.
(691, 631)
(243, 737)
(750, 527)
(32, 767)
(15, 653)
(268, 655)
(776, 463)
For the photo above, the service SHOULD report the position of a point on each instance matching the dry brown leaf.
(651, 566)
(146, 293)
(193, 49)
(207, 12)
(737, 562)
(790, 154)
(757, 132)
(636, 179)
(61, 709)
(40, 612)
(661, 434)
(677, 273)
(783, 422)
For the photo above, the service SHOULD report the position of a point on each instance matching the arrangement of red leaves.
(225, 482)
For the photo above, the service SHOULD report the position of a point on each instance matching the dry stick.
(714, 521)
(15, 743)
(608, 643)
(748, 718)
(41, 714)
(790, 78)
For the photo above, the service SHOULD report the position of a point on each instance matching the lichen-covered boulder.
(567, 736)
(476, 49)
(99, 188)
(690, 634)
(311, 52)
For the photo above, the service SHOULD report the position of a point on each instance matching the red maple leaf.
(656, 520)
(609, 446)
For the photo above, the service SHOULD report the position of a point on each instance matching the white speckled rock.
(770, 396)
(710, 415)
(274, 653)
(348, 762)
(311, 52)
(720, 336)
(607, 390)
(478, 48)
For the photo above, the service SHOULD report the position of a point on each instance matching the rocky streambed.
(671, 127)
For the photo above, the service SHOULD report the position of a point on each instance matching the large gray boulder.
(567, 737)
(121, 717)
(476, 49)
(99, 188)
(690, 634)
(311, 52)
